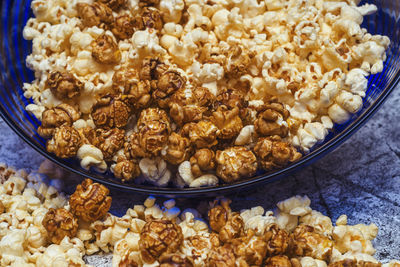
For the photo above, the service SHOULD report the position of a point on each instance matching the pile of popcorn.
(211, 91)
(41, 227)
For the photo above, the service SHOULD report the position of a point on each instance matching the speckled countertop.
(361, 179)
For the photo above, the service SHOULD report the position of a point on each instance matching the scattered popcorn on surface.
(37, 229)
(228, 72)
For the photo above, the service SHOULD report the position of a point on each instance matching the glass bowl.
(14, 49)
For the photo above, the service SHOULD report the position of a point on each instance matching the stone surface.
(361, 179)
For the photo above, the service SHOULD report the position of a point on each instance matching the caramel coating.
(132, 148)
(238, 62)
(52, 118)
(60, 223)
(127, 262)
(123, 27)
(65, 142)
(150, 18)
(178, 149)
(277, 240)
(308, 242)
(105, 50)
(136, 92)
(231, 98)
(64, 84)
(90, 201)
(109, 141)
(96, 14)
(152, 68)
(202, 161)
(110, 112)
(154, 129)
(2, 208)
(221, 257)
(235, 162)
(250, 248)
(174, 260)
(227, 121)
(126, 170)
(202, 134)
(354, 263)
(168, 83)
(149, 2)
(274, 153)
(114, 4)
(278, 261)
(267, 123)
(233, 228)
(218, 216)
(186, 108)
(158, 237)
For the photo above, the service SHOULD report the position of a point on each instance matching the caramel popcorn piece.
(96, 14)
(174, 260)
(188, 105)
(65, 142)
(178, 149)
(132, 148)
(60, 223)
(110, 112)
(235, 162)
(274, 153)
(227, 121)
(126, 170)
(277, 240)
(123, 27)
(219, 215)
(238, 62)
(271, 120)
(109, 141)
(169, 82)
(158, 237)
(105, 50)
(149, 2)
(202, 134)
(114, 4)
(233, 228)
(279, 261)
(2, 208)
(250, 248)
(308, 242)
(354, 263)
(90, 201)
(136, 92)
(150, 18)
(154, 129)
(52, 118)
(202, 161)
(152, 68)
(231, 98)
(64, 84)
(221, 257)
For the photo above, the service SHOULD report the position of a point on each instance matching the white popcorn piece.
(245, 136)
(155, 171)
(91, 156)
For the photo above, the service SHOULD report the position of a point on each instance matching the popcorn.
(155, 171)
(149, 234)
(311, 57)
(91, 156)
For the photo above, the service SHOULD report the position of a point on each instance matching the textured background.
(361, 179)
